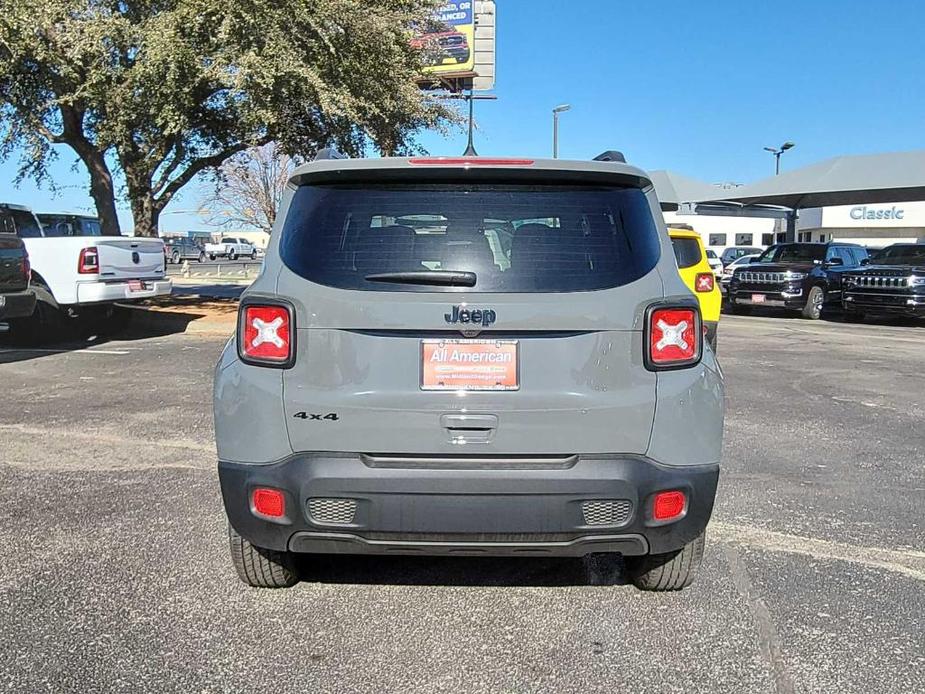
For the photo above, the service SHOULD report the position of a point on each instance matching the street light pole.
(777, 152)
(561, 108)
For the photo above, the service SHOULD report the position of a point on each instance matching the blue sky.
(698, 87)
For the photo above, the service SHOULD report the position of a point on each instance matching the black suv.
(893, 283)
(802, 277)
(183, 248)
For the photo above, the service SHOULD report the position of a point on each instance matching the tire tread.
(259, 567)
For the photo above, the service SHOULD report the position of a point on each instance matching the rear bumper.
(18, 305)
(458, 505)
(96, 292)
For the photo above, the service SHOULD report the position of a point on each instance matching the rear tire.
(175, 258)
(259, 567)
(670, 571)
(202, 258)
(814, 300)
(232, 256)
(211, 256)
(254, 255)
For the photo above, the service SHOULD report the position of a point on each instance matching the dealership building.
(869, 225)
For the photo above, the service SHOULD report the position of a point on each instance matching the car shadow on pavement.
(24, 343)
(592, 570)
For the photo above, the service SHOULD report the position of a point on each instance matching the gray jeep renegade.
(469, 356)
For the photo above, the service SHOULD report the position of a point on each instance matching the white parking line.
(85, 350)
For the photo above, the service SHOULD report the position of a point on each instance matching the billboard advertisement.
(449, 39)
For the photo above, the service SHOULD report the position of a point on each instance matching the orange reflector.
(668, 505)
(269, 502)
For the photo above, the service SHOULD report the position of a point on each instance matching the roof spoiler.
(328, 153)
(611, 155)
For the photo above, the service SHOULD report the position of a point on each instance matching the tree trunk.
(101, 189)
(146, 211)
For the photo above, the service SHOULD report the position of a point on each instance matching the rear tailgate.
(129, 258)
(13, 277)
(564, 274)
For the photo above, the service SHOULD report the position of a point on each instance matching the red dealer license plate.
(469, 365)
(136, 286)
(758, 298)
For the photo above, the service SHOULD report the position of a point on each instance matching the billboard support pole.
(470, 148)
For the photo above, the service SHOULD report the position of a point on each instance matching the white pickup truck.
(231, 248)
(82, 274)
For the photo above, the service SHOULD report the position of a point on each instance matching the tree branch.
(197, 167)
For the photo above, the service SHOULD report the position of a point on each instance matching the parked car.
(75, 276)
(397, 390)
(699, 277)
(231, 248)
(803, 277)
(183, 248)
(726, 276)
(734, 252)
(17, 299)
(716, 265)
(69, 224)
(893, 283)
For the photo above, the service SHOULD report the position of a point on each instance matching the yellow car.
(699, 277)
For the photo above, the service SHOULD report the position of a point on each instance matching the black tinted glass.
(514, 238)
(793, 253)
(686, 252)
(912, 254)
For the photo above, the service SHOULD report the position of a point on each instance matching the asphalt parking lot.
(116, 577)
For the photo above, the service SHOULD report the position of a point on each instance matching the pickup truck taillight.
(266, 335)
(673, 337)
(89, 261)
(26, 267)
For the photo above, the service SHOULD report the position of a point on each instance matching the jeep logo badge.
(476, 318)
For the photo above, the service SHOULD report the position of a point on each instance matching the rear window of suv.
(515, 238)
(686, 251)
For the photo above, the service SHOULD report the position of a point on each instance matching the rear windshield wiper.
(449, 278)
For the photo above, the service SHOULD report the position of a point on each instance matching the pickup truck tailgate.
(130, 258)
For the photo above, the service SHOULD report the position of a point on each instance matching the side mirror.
(865, 261)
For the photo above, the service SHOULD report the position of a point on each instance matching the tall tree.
(160, 91)
(248, 188)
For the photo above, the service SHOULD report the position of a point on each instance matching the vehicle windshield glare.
(514, 238)
(793, 253)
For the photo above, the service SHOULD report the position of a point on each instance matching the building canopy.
(848, 180)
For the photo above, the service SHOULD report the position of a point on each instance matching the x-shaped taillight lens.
(674, 337)
(266, 335)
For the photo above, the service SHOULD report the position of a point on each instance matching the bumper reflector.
(668, 505)
(268, 502)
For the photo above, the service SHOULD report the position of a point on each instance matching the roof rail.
(328, 153)
(611, 155)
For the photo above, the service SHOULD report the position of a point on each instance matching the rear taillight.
(89, 261)
(26, 267)
(674, 337)
(705, 282)
(266, 335)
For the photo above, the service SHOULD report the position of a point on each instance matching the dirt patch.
(197, 314)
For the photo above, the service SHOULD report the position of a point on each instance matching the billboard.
(449, 40)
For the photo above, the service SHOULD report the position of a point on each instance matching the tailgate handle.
(470, 428)
(469, 422)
